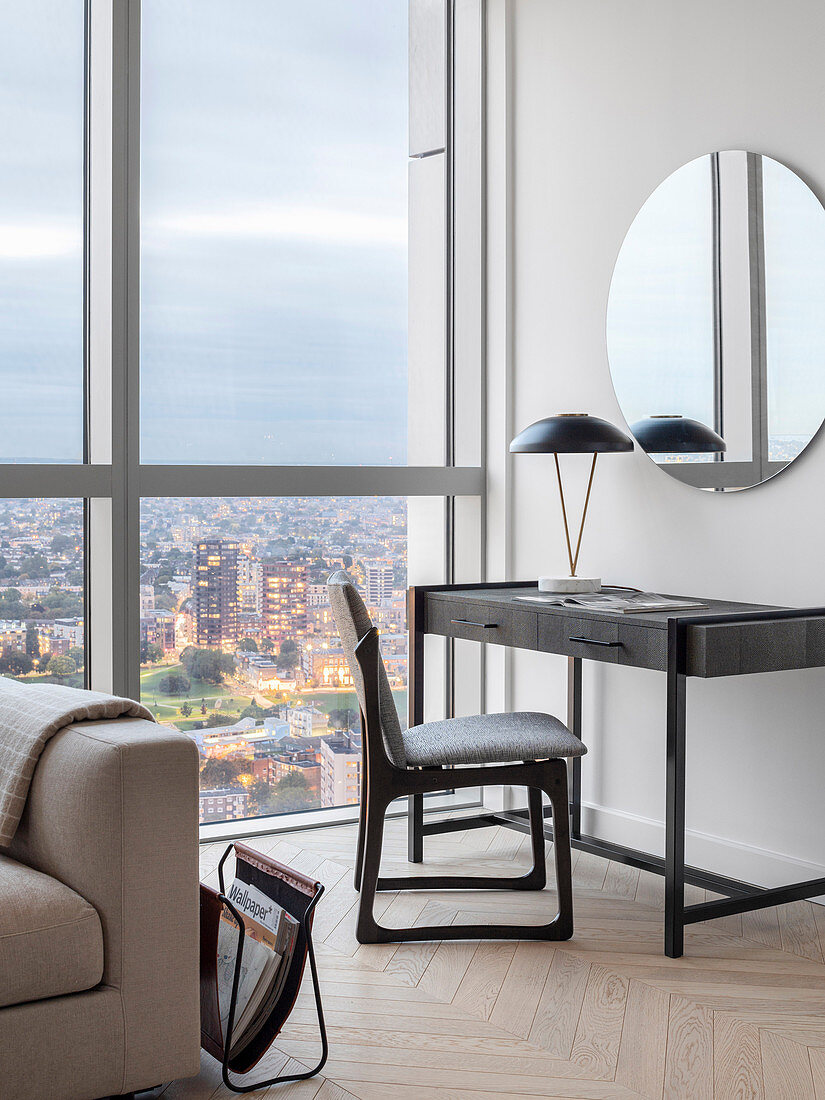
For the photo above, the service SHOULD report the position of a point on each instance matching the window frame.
(111, 480)
(723, 473)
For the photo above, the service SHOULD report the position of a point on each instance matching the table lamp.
(571, 433)
(672, 433)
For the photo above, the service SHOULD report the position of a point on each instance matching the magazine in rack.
(268, 949)
(256, 935)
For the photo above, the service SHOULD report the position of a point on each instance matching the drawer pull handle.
(470, 622)
(595, 641)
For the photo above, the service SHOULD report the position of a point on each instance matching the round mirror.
(716, 321)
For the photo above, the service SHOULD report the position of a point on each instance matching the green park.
(207, 703)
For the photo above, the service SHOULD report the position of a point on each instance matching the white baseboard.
(726, 857)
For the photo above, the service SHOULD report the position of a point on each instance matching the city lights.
(239, 649)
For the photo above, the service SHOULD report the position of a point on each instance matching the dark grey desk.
(723, 639)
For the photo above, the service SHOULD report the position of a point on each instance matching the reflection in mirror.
(715, 322)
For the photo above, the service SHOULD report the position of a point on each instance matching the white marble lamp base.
(570, 586)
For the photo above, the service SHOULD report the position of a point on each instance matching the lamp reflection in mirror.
(571, 433)
(672, 433)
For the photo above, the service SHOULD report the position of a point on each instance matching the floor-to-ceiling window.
(273, 331)
(42, 335)
(229, 358)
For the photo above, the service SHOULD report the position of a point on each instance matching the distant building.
(321, 623)
(249, 624)
(317, 595)
(263, 769)
(379, 579)
(222, 804)
(215, 584)
(271, 769)
(32, 591)
(326, 665)
(284, 599)
(340, 770)
(250, 585)
(157, 627)
(180, 587)
(310, 770)
(305, 720)
(262, 673)
(390, 618)
(269, 746)
(147, 597)
(13, 634)
(277, 727)
(68, 630)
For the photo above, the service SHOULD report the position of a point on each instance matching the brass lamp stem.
(572, 558)
(564, 517)
(584, 512)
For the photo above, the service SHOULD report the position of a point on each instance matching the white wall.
(590, 105)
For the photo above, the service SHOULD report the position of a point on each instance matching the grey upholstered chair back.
(353, 622)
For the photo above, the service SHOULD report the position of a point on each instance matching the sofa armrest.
(113, 813)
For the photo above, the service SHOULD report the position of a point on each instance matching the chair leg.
(359, 851)
(367, 931)
(553, 780)
(415, 828)
(556, 790)
(537, 879)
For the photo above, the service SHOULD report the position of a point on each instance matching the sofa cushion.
(51, 941)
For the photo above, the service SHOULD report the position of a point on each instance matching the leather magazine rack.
(298, 896)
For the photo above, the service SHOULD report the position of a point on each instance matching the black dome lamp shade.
(671, 433)
(571, 433)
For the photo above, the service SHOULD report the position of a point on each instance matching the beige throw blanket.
(31, 714)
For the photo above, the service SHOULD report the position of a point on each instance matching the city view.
(238, 646)
(41, 590)
(273, 297)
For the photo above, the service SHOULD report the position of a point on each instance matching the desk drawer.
(736, 649)
(643, 646)
(591, 638)
(613, 642)
(501, 626)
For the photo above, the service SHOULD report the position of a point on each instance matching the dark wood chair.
(521, 749)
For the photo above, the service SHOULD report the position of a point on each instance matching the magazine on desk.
(271, 934)
(630, 603)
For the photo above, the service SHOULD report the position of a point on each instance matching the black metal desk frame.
(740, 897)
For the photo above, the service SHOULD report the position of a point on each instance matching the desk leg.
(415, 828)
(574, 724)
(675, 802)
(415, 711)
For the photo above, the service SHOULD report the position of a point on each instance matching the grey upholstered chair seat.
(490, 739)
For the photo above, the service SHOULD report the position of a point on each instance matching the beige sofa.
(99, 917)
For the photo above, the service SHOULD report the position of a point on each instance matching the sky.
(41, 203)
(274, 231)
(274, 207)
(274, 244)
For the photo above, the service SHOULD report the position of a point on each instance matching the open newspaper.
(271, 934)
(630, 603)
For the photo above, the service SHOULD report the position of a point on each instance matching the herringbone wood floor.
(603, 1015)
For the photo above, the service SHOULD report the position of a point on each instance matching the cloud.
(39, 240)
(282, 223)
